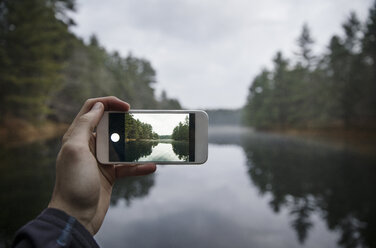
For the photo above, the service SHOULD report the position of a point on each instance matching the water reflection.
(309, 181)
(307, 178)
(181, 149)
(130, 188)
(158, 150)
(138, 149)
(26, 181)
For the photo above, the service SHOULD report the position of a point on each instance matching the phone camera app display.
(155, 137)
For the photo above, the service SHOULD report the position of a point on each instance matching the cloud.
(207, 52)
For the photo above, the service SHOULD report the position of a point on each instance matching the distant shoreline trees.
(335, 89)
(165, 137)
(181, 131)
(137, 130)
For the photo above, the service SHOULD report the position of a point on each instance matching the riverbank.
(359, 140)
(16, 132)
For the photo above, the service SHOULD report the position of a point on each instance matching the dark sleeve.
(53, 228)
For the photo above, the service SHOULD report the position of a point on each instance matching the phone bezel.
(201, 137)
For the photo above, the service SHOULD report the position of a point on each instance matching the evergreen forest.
(135, 129)
(47, 72)
(335, 89)
(181, 131)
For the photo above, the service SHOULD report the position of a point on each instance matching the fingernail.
(97, 106)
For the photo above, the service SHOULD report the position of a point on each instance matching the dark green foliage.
(92, 72)
(336, 89)
(181, 131)
(135, 129)
(369, 52)
(32, 51)
(305, 43)
(46, 71)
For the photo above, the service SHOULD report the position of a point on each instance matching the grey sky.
(206, 52)
(163, 124)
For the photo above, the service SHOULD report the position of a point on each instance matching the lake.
(256, 190)
(156, 150)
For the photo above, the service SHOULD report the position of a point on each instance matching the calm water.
(159, 150)
(256, 190)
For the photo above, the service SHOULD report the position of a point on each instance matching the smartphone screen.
(154, 137)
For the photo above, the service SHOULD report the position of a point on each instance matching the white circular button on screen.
(115, 137)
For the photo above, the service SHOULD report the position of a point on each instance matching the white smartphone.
(159, 136)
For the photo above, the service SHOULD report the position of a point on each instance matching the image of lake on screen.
(165, 147)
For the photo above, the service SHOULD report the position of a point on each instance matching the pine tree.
(369, 54)
(305, 43)
(34, 43)
(281, 89)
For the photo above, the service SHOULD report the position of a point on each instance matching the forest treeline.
(333, 89)
(181, 131)
(47, 72)
(135, 129)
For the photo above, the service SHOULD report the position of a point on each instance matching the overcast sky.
(206, 52)
(163, 124)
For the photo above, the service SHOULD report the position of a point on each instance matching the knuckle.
(84, 118)
(113, 98)
(72, 150)
(89, 101)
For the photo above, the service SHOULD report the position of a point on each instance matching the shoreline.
(16, 132)
(154, 140)
(359, 140)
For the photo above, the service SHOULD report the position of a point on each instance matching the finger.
(138, 170)
(109, 102)
(84, 126)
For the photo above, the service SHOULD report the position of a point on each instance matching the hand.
(83, 186)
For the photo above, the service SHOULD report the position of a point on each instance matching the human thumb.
(94, 115)
(86, 123)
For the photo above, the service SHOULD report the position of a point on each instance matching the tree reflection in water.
(135, 187)
(131, 187)
(181, 149)
(303, 178)
(134, 150)
(306, 179)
